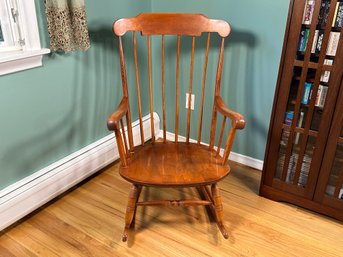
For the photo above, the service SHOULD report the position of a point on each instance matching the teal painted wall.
(252, 54)
(50, 112)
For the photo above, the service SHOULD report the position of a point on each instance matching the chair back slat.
(150, 91)
(213, 127)
(177, 89)
(124, 136)
(220, 67)
(138, 88)
(190, 91)
(217, 92)
(221, 135)
(163, 95)
(122, 67)
(228, 145)
(203, 87)
(125, 92)
(129, 129)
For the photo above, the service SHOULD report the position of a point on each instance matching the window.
(19, 37)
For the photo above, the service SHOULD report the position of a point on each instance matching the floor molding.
(236, 157)
(24, 196)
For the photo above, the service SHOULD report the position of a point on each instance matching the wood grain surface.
(88, 221)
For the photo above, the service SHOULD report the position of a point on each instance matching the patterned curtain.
(67, 25)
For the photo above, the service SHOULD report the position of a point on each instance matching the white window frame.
(30, 54)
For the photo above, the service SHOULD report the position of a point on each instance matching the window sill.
(22, 60)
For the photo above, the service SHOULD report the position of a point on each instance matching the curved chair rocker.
(164, 163)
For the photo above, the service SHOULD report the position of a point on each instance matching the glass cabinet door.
(334, 187)
(312, 64)
(330, 182)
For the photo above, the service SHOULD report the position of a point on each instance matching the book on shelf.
(306, 93)
(337, 21)
(304, 170)
(330, 190)
(289, 118)
(333, 43)
(315, 40)
(325, 76)
(303, 39)
(321, 96)
(300, 124)
(308, 12)
(318, 41)
(323, 13)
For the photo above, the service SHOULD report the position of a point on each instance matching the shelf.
(292, 102)
(312, 65)
(307, 79)
(301, 130)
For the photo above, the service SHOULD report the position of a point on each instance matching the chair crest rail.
(171, 24)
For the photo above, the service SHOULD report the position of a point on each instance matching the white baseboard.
(236, 157)
(24, 196)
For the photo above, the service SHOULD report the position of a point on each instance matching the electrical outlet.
(192, 101)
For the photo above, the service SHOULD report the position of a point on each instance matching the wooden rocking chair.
(162, 163)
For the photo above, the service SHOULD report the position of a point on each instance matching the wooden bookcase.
(303, 163)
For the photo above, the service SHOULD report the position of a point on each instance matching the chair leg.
(218, 208)
(130, 209)
(139, 190)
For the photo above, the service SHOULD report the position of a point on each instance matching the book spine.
(339, 15)
(319, 41)
(300, 123)
(319, 95)
(333, 43)
(307, 32)
(301, 40)
(308, 12)
(335, 16)
(323, 96)
(325, 76)
(288, 118)
(307, 93)
(315, 39)
(323, 13)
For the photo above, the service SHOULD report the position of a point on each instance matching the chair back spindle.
(190, 91)
(138, 88)
(203, 87)
(150, 91)
(163, 95)
(177, 89)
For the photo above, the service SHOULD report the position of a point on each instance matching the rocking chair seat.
(171, 164)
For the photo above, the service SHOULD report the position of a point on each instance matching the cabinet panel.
(305, 103)
(299, 124)
(330, 182)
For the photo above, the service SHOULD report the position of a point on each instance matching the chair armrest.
(114, 118)
(237, 119)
